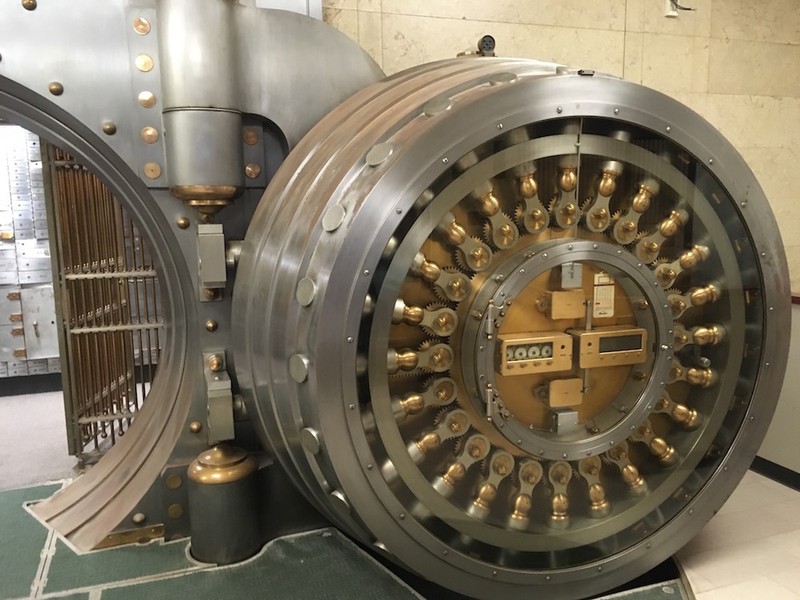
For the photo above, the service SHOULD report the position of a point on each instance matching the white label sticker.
(603, 302)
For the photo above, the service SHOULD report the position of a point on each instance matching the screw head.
(195, 427)
(149, 135)
(211, 325)
(109, 128)
(56, 87)
(141, 26)
(252, 170)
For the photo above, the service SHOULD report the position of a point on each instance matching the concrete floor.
(33, 440)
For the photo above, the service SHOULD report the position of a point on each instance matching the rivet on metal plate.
(501, 78)
(298, 367)
(333, 217)
(437, 106)
(306, 290)
(379, 153)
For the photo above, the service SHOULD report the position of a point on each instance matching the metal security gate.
(108, 292)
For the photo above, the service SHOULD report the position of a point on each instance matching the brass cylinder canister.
(223, 505)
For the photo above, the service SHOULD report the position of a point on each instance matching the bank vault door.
(107, 291)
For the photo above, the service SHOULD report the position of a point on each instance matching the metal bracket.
(220, 398)
(211, 255)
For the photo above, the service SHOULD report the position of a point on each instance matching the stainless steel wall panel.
(17, 369)
(10, 342)
(30, 277)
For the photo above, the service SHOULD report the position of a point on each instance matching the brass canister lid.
(221, 464)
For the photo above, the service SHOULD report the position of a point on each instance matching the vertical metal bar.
(52, 193)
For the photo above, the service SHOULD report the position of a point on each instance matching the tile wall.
(736, 62)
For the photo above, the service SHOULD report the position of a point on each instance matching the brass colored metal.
(454, 474)
(480, 258)
(692, 258)
(222, 464)
(488, 204)
(559, 475)
(56, 87)
(13, 296)
(250, 137)
(109, 128)
(699, 296)
(405, 360)
(29, 4)
(206, 199)
(608, 183)
(591, 351)
(195, 427)
(175, 511)
(702, 377)
(144, 63)
(152, 170)
(659, 447)
(210, 293)
(21, 353)
(569, 179)
(412, 404)
(252, 170)
(527, 186)
(216, 363)
(699, 336)
(131, 536)
(530, 474)
(589, 469)
(183, 222)
(712, 334)
(147, 99)
(629, 472)
(628, 223)
(427, 270)
(486, 494)
(648, 247)
(17, 331)
(565, 393)
(686, 417)
(600, 218)
(138, 518)
(569, 214)
(567, 304)
(544, 352)
(149, 134)
(15, 317)
(173, 482)
(211, 325)
(641, 202)
(667, 273)
(6, 235)
(429, 442)
(455, 233)
(141, 26)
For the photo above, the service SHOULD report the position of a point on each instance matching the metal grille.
(110, 302)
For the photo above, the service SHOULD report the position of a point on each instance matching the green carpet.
(317, 564)
(69, 571)
(23, 540)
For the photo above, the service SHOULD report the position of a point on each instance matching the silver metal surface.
(384, 213)
(211, 255)
(101, 115)
(39, 318)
